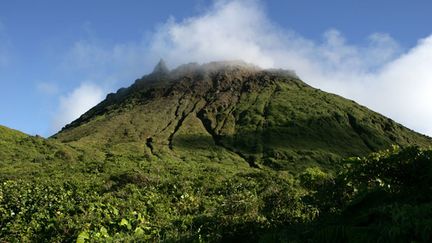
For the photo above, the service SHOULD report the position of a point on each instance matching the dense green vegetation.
(383, 197)
(267, 118)
(218, 153)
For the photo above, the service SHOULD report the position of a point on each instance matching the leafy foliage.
(383, 197)
(218, 153)
(163, 200)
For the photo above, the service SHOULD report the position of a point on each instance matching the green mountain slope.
(12, 144)
(262, 117)
(22, 155)
(221, 152)
(16, 147)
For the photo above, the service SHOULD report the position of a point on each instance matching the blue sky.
(58, 58)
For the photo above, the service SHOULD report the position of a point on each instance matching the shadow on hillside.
(326, 133)
(320, 141)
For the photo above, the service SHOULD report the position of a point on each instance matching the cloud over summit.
(377, 73)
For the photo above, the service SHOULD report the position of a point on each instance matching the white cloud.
(378, 73)
(405, 87)
(109, 64)
(74, 104)
(231, 30)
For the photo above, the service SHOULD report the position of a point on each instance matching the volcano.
(238, 111)
(218, 152)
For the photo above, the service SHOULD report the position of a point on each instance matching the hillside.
(220, 152)
(262, 117)
(18, 147)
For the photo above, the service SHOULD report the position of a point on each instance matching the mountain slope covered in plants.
(223, 151)
(261, 117)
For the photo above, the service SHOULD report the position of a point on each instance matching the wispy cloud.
(110, 64)
(74, 104)
(377, 73)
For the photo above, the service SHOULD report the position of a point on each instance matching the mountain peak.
(266, 117)
(161, 67)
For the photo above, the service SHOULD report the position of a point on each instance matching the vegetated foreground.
(218, 152)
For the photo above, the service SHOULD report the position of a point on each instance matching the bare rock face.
(262, 117)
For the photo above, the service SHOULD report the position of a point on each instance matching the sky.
(60, 58)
